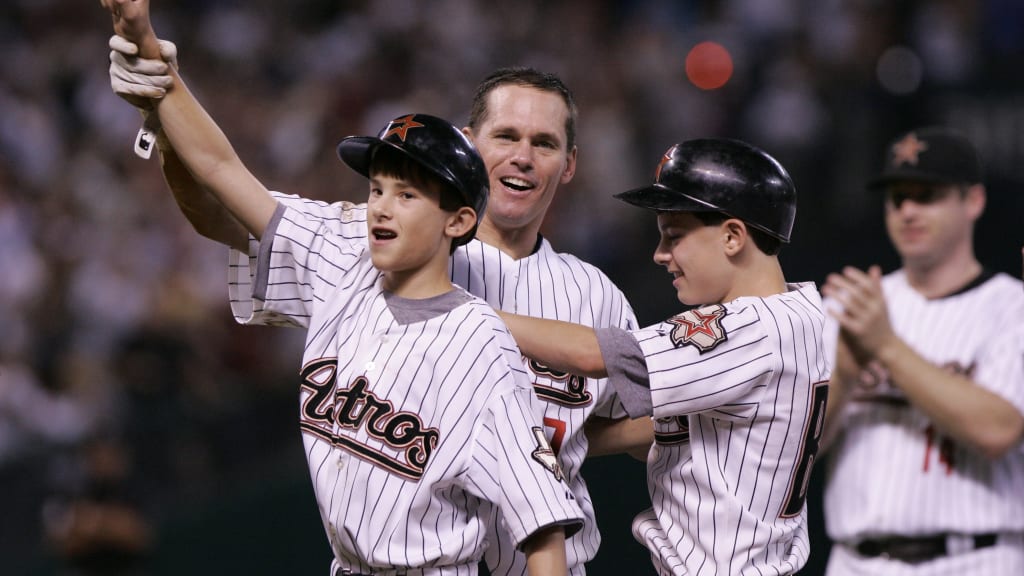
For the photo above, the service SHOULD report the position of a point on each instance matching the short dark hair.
(531, 78)
(765, 242)
(389, 162)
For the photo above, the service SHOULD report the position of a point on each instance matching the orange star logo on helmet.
(906, 151)
(400, 126)
(665, 158)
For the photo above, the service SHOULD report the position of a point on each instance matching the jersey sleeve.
(515, 467)
(713, 360)
(624, 319)
(299, 263)
(603, 306)
(627, 370)
(830, 331)
(1001, 366)
(345, 219)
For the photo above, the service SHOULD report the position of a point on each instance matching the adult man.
(927, 466)
(523, 122)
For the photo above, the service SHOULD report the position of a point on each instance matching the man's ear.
(975, 199)
(570, 167)
(460, 222)
(734, 236)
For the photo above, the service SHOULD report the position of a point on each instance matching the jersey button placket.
(370, 365)
(510, 299)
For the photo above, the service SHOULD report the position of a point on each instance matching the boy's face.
(405, 224)
(523, 144)
(693, 253)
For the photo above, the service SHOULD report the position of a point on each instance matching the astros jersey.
(545, 284)
(930, 483)
(738, 392)
(560, 287)
(417, 417)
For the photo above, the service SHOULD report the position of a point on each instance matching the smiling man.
(523, 123)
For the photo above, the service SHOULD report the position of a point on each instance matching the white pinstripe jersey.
(417, 417)
(549, 285)
(738, 392)
(890, 471)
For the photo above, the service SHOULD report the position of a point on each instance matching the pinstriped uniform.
(560, 287)
(545, 284)
(738, 393)
(417, 417)
(892, 473)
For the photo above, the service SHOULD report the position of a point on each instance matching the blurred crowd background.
(143, 432)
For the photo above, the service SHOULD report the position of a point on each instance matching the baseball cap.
(934, 154)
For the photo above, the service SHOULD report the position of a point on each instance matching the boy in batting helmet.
(523, 124)
(736, 385)
(417, 418)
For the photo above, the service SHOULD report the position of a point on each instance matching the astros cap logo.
(400, 130)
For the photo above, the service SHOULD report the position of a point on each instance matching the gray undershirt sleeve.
(627, 370)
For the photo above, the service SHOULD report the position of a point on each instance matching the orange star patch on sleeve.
(700, 328)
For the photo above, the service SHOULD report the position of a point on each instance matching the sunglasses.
(918, 194)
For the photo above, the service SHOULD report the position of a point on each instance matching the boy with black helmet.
(736, 385)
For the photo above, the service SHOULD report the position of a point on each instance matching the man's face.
(928, 221)
(523, 143)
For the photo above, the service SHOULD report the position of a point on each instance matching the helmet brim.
(357, 152)
(664, 199)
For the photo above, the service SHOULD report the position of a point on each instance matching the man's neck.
(942, 277)
(517, 243)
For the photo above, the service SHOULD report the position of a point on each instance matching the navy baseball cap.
(934, 154)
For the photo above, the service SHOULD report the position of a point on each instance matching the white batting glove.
(139, 79)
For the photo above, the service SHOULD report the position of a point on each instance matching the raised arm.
(201, 208)
(139, 81)
(200, 144)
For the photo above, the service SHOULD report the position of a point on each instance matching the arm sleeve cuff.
(627, 370)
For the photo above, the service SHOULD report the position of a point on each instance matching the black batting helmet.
(438, 146)
(722, 175)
